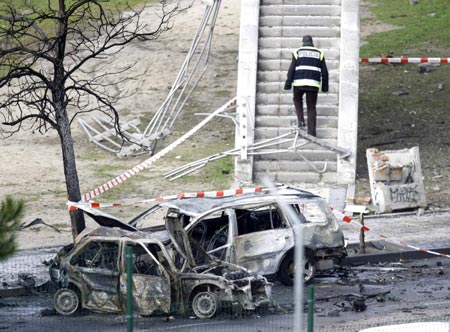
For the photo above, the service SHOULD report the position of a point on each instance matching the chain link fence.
(26, 304)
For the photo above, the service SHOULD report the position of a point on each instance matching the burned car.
(169, 275)
(251, 230)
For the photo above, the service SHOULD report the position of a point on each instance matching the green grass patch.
(423, 27)
(219, 173)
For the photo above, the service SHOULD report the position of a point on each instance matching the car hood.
(105, 219)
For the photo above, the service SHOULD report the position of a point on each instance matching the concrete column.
(246, 88)
(348, 90)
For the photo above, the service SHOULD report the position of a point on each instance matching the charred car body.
(252, 230)
(166, 277)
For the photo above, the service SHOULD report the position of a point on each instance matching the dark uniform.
(307, 69)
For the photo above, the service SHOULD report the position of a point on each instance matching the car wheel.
(205, 304)
(66, 301)
(287, 269)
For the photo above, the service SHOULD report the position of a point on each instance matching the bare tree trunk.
(62, 120)
(70, 170)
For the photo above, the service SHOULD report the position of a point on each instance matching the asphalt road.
(389, 293)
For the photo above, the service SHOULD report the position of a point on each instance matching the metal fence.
(26, 305)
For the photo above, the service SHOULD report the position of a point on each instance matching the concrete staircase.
(282, 24)
(269, 31)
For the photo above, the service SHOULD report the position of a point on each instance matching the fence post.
(129, 262)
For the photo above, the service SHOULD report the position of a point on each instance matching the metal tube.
(129, 262)
(310, 303)
(297, 227)
(299, 277)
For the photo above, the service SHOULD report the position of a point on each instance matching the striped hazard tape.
(403, 244)
(347, 219)
(340, 216)
(210, 194)
(147, 163)
(405, 60)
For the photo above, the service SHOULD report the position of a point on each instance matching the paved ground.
(431, 230)
(405, 284)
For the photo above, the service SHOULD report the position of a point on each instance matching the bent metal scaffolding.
(103, 133)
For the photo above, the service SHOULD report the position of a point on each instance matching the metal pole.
(299, 262)
(362, 241)
(129, 262)
(310, 302)
(299, 277)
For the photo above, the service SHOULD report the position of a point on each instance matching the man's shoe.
(302, 125)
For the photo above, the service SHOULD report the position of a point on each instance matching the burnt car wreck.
(169, 276)
(250, 230)
(254, 231)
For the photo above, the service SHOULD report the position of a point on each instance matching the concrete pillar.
(246, 88)
(348, 90)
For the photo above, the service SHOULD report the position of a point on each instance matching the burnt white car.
(169, 276)
(252, 230)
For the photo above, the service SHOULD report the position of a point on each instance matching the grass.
(423, 28)
(400, 107)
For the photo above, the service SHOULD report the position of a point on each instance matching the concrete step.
(292, 21)
(323, 43)
(266, 133)
(272, 166)
(296, 177)
(291, 121)
(300, 10)
(306, 146)
(283, 65)
(278, 87)
(310, 154)
(289, 110)
(303, 2)
(280, 76)
(286, 53)
(286, 99)
(284, 31)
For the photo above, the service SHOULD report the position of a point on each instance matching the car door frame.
(94, 291)
(266, 262)
(155, 290)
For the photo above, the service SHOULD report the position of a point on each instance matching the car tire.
(66, 301)
(205, 304)
(287, 268)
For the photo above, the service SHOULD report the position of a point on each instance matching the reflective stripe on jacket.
(308, 68)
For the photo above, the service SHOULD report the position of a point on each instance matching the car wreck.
(252, 230)
(169, 276)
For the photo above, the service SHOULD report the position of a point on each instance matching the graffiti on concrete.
(404, 194)
(396, 179)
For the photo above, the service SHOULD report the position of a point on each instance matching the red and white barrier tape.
(403, 244)
(347, 219)
(404, 60)
(340, 216)
(147, 163)
(210, 194)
